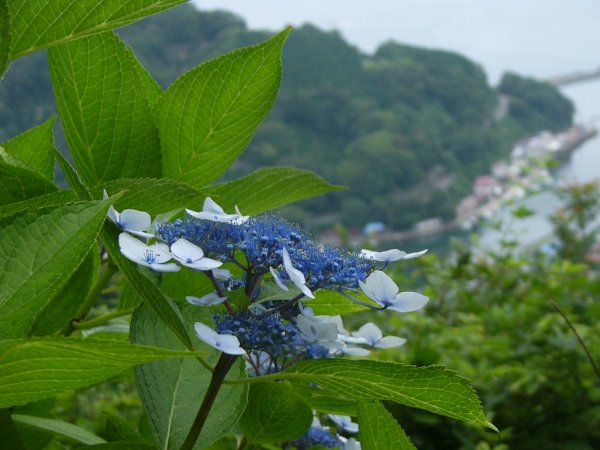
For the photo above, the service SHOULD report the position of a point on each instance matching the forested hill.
(406, 129)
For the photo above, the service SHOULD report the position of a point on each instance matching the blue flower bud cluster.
(279, 342)
(318, 436)
(262, 239)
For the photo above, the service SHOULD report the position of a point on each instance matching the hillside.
(406, 128)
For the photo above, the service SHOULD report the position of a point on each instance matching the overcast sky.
(540, 38)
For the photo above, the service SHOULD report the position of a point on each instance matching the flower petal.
(132, 248)
(164, 267)
(278, 281)
(205, 333)
(390, 342)
(222, 274)
(229, 344)
(210, 206)
(408, 302)
(295, 275)
(354, 351)
(370, 332)
(211, 299)
(134, 220)
(113, 215)
(390, 255)
(380, 287)
(183, 249)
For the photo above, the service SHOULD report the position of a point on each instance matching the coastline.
(530, 156)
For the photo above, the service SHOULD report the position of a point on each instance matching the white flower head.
(131, 220)
(226, 343)
(390, 255)
(373, 336)
(296, 276)
(213, 212)
(345, 423)
(192, 256)
(211, 299)
(154, 256)
(382, 289)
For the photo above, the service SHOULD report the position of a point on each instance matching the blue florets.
(317, 436)
(262, 239)
(273, 341)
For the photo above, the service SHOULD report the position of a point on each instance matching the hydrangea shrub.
(236, 333)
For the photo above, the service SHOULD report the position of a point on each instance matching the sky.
(539, 38)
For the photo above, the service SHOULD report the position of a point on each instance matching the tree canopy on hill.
(406, 129)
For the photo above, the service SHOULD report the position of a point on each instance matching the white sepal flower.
(345, 423)
(382, 289)
(154, 256)
(353, 351)
(350, 444)
(390, 255)
(131, 220)
(192, 256)
(226, 343)
(296, 276)
(213, 212)
(211, 299)
(315, 332)
(373, 336)
(222, 274)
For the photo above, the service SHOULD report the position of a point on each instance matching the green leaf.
(9, 438)
(120, 446)
(117, 429)
(60, 428)
(105, 110)
(62, 308)
(128, 298)
(326, 401)
(332, 303)
(208, 116)
(269, 188)
(379, 430)
(155, 196)
(33, 369)
(38, 255)
(433, 388)
(4, 37)
(18, 183)
(72, 177)
(35, 438)
(51, 200)
(35, 147)
(186, 282)
(46, 23)
(276, 413)
(173, 391)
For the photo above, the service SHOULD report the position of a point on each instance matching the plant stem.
(91, 298)
(587, 351)
(220, 371)
(102, 319)
(220, 293)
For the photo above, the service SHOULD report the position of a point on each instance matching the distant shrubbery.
(492, 318)
(535, 105)
(406, 128)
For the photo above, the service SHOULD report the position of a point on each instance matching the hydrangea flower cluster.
(280, 268)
